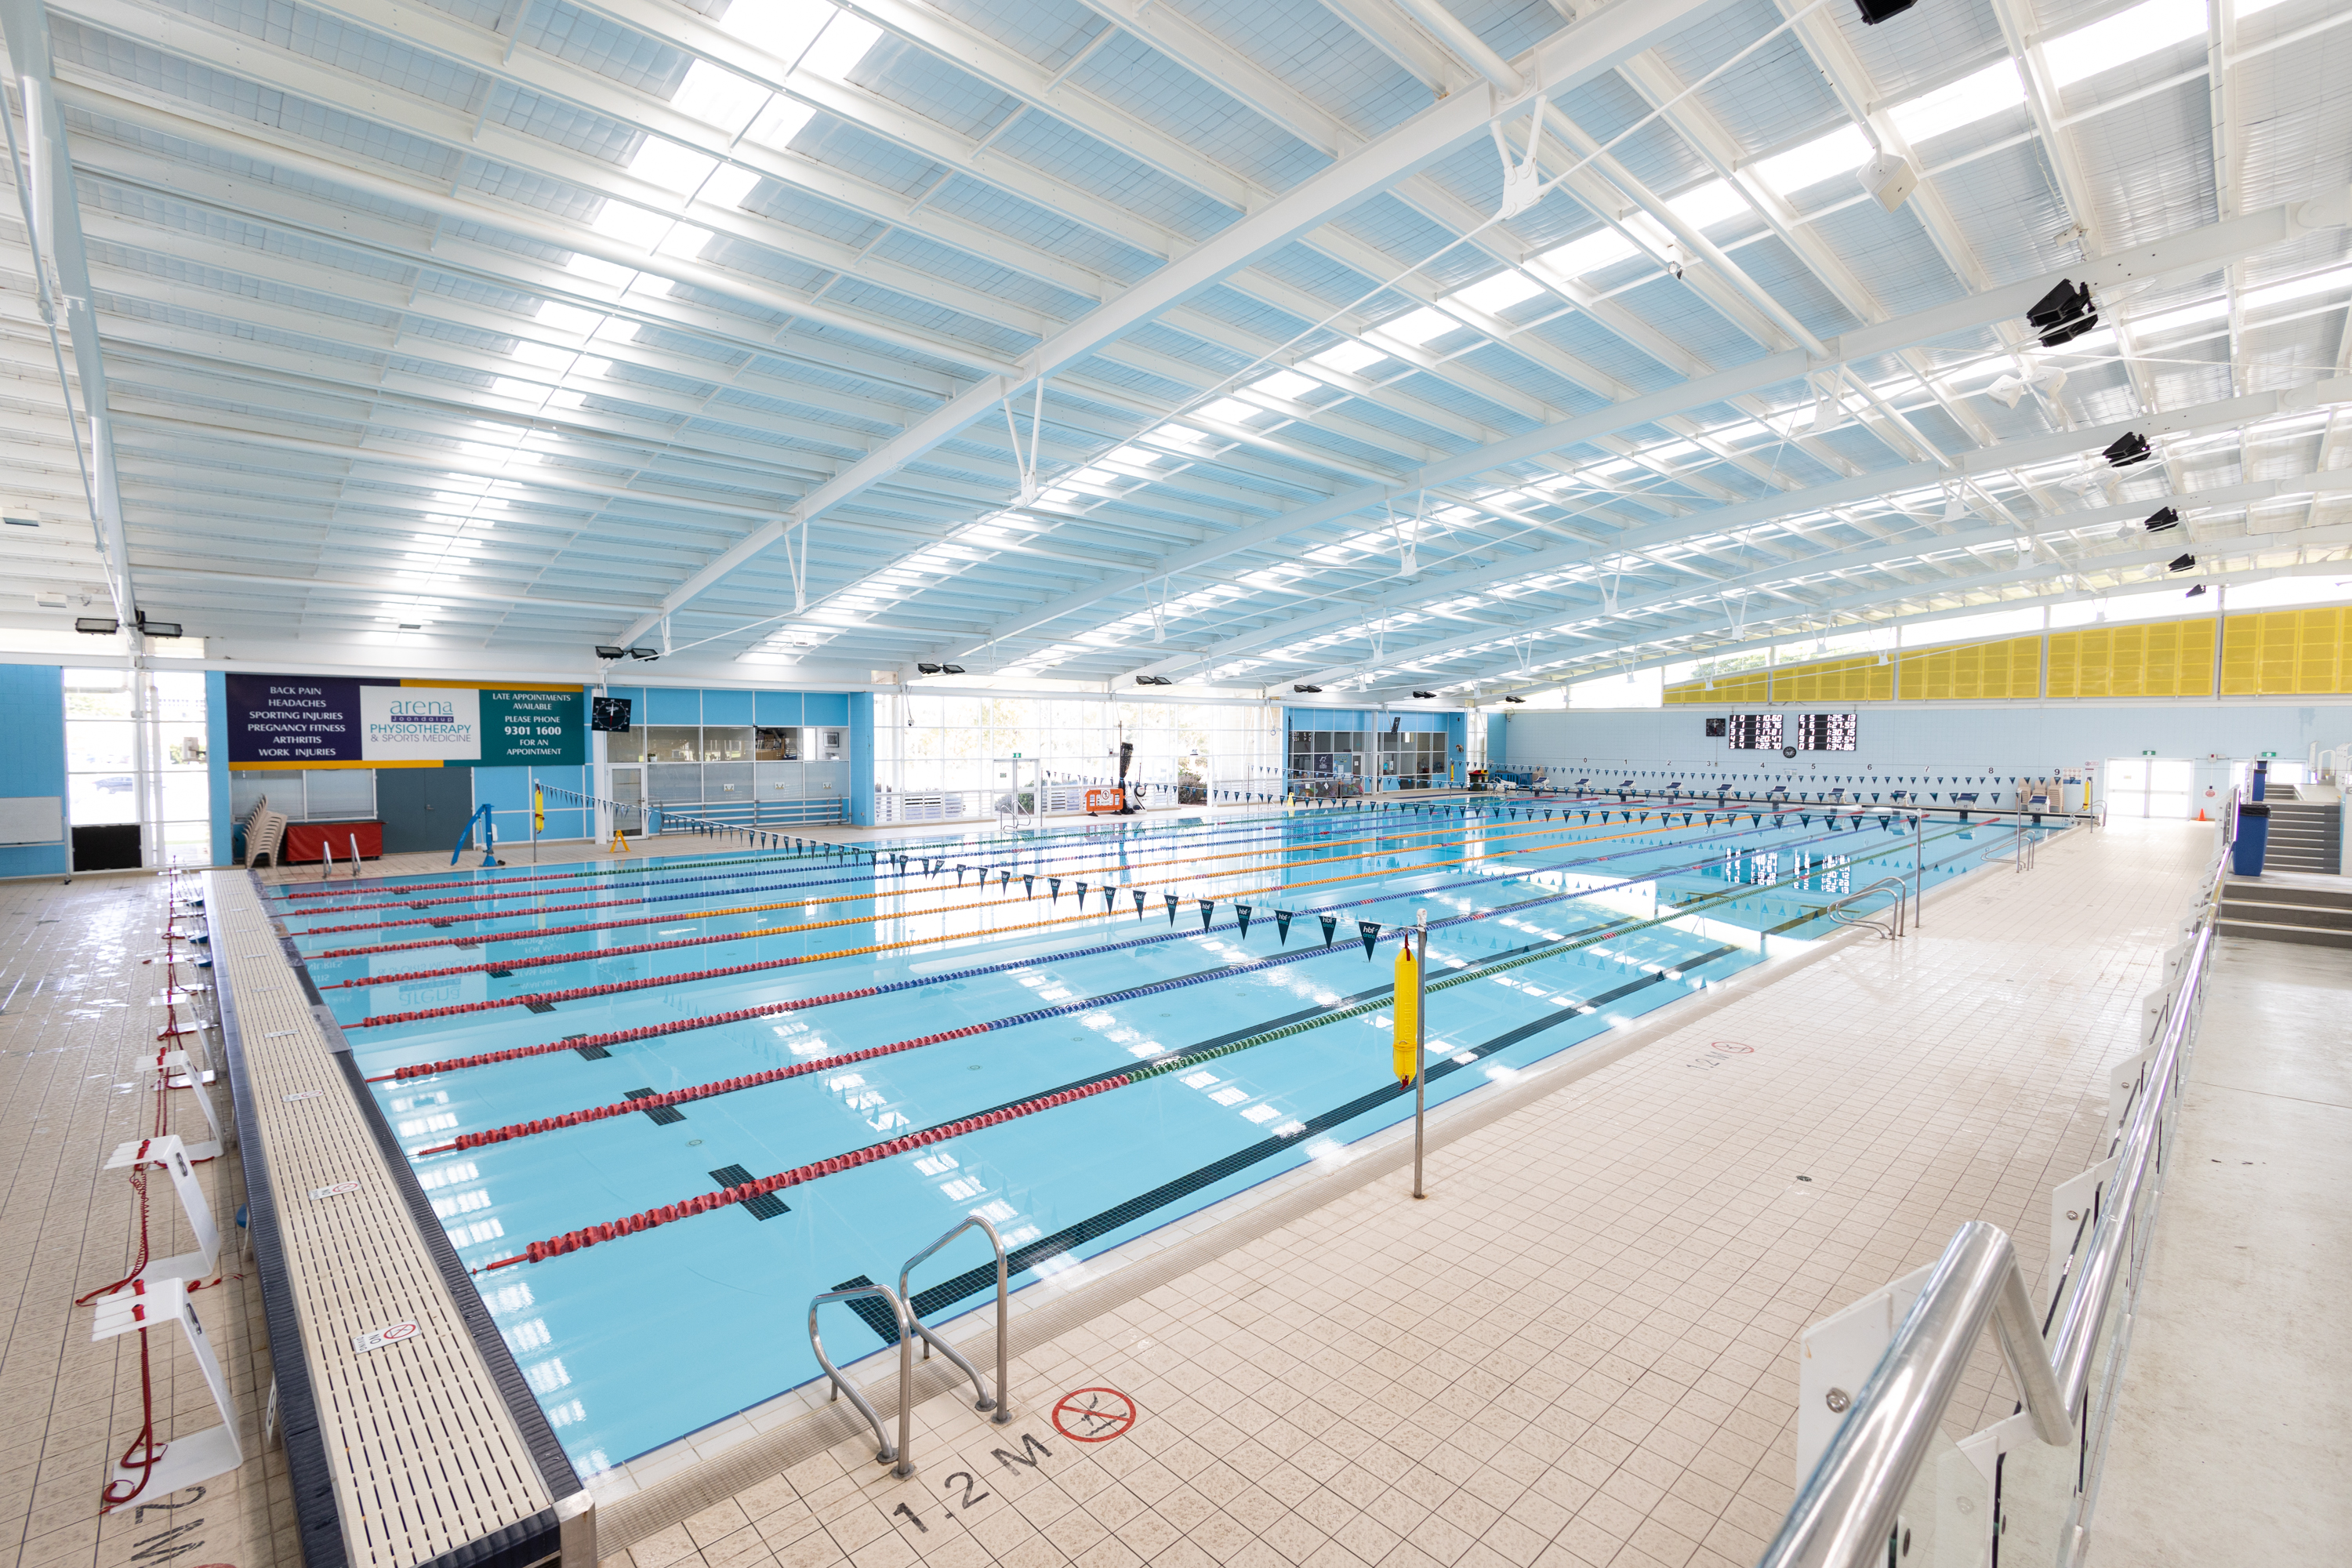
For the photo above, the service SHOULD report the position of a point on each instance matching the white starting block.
(182, 1461)
(179, 1073)
(201, 1264)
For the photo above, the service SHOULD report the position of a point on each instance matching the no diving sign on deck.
(1094, 1415)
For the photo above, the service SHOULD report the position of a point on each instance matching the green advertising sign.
(527, 728)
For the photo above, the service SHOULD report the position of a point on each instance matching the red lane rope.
(697, 1091)
(619, 1037)
(705, 1203)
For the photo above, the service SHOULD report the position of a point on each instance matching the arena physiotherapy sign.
(315, 722)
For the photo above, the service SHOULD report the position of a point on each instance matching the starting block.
(182, 1461)
(201, 1264)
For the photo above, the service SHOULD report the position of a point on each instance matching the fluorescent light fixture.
(676, 169)
(840, 47)
(728, 184)
(1285, 383)
(2123, 37)
(1963, 103)
(1498, 293)
(2302, 288)
(1704, 207)
(1348, 359)
(1840, 152)
(1418, 327)
(717, 96)
(2186, 316)
(784, 28)
(1601, 248)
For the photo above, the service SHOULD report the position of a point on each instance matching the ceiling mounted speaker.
(1890, 179)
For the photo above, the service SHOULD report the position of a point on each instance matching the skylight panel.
(2123, 37)
(1841, 152)
(685, 239)
(1418, 327)
(840, 47)
(563, 318)
(728, 184)
(676, 169)
(1963, 103)
(1232, 410)
(1348, 359)
(1708, 204)
(1601, 248)
(631, 225)
(779, 122)
(718, 97)
(784, 28)
(1498, 293)
(1285, 383)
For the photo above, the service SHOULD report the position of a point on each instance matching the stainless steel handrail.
(1847, 1508)
(1003, 1403)
(841, 1383)
(1893, 929)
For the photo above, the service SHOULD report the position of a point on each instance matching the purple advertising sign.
(293, 720)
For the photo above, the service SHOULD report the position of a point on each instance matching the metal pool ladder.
(1002, 1405)
(841, 1385)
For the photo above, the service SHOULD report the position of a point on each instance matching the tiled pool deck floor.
(1578, 1350)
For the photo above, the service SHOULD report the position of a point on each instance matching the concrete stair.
(2306, 835)
(2280, 911)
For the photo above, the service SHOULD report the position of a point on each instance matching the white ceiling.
(490, 332)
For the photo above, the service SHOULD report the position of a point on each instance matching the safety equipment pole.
(1420, 1046)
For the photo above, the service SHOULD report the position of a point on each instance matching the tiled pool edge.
(328, 1469)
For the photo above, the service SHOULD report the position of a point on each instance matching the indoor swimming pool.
(660, 1103)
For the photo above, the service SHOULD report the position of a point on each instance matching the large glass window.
(105, 783)
(935, 755)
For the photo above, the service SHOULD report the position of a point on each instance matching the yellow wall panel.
(1748, 685)
(2286, 653)
(2162, 659)
(2001, 672)
(1862, 679)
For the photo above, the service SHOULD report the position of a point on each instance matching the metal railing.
(1892, 927)
(1847, 1511)
(1003, 1403)
(841, 1383)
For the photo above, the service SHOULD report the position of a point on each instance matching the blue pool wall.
(1452, 725)
(33, 708)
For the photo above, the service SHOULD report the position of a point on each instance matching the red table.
(304, 840)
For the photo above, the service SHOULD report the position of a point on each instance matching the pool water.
(1217, 1058)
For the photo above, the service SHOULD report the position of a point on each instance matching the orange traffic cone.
(2201, 813)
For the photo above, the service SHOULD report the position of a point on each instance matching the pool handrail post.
(1003, 1403)
(1420, 1044)
(841, 1383)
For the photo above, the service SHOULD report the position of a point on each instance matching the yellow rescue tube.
(1406, 1009)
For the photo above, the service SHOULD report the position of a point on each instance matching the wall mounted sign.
(330, 722)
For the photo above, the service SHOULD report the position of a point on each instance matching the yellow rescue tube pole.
(1406, 1010)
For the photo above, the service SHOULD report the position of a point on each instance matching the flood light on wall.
(1426, 696)
(1515, 699)
(1154, 680)
(96, 625)
(606, 651)
(2167, 518)
(927, 668)
(1309, 688)
(645, 653)
(2062, 314)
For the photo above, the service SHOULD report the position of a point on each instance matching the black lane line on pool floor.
(1068, 1239)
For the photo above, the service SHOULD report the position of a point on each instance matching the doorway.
(422, 808)
(2149, 786)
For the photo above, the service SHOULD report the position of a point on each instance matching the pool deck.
(1578, 1350)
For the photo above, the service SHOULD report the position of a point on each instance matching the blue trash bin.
(2253, 839)
(2262, 780)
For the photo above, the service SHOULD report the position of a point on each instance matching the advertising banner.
(317, 721)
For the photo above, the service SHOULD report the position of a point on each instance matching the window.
(169, 793)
